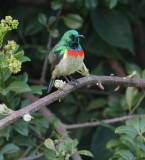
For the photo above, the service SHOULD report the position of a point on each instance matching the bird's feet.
(73, 81)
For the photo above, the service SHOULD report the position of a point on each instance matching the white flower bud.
(27, 117)
(5, 110)
(68, 155)
(59, 84)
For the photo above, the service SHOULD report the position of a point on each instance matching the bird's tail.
(50, 85)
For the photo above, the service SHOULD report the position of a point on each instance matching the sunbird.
(66, 57)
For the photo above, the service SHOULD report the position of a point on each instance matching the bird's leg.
(74, 80)
(70, 82)
(50, 85)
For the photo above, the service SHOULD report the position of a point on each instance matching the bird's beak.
(79, 36)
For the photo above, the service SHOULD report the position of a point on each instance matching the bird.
(66, 57)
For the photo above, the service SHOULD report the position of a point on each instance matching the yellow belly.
(68, 65)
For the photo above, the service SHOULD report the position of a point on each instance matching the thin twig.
(45, 65)
(27, 151)
(47, 100)
(137, 105)
(37, 156)
(94, 124)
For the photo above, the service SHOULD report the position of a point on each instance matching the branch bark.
(33, 157)
(42, 80)
(108, 121)
(47, 100)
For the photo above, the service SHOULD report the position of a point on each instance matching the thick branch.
(47, 100)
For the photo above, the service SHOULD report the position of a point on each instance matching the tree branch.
(45, 65)
(47, 100)
(42, 80)
(94, 124)
(39, 155)
(61, 127)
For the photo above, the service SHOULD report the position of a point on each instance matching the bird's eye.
(72, 36)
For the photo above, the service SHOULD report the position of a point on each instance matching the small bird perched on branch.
(66, 57)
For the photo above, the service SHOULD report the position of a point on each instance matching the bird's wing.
(56, 55)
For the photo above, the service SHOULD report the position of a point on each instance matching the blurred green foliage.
(114, 29)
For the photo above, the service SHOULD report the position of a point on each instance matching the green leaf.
(98, 143)
(49, 144)
(128, 141)
(21, 140)
(141, 145)
(126, 154)
(112, 143)
(143, 74)
(54, 33)
(91, 4)
(84, 152)
(111, 3)
(9, 148)
(21, 127)
(54, 121)
(113, 27)
(73, 21)
(51, 20)
(15, 102)
(25, 141)
(5, 132)
(56, 4)
(23, 77)
(6, 74)
(97, 46)
(126, 130)
(73, 144)
(35, 129)
(50, 154)
(142, 125)
(130, 95)
(2, 141)
(1, 59)
(37, 89)
(19, 55)
(18, 87)
(97, 103)
(42, 122)
(33, 27)
(42, 19)
(135, 123)
(25, 59)
(25, 103)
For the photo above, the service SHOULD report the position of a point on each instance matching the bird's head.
(72, 38)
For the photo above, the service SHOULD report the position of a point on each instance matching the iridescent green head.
(71, 39)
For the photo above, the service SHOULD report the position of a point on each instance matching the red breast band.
(75, 53)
